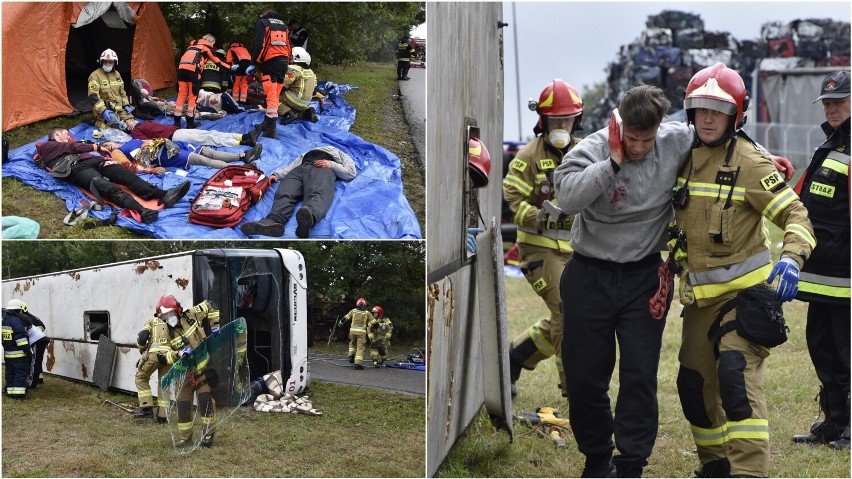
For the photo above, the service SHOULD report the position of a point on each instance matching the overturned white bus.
(268, 287)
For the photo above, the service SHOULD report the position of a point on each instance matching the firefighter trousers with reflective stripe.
(17, 371)
(827, 334)
(608, 312)
(185, 414)
(148, 364)
(358, 345)
(723, 398)
(542, 267)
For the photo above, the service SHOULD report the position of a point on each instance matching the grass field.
(790, 383)
(65, 430)
(380, 119)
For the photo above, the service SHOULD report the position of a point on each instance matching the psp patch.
(519, 165)
(546, 164)
(772, 182)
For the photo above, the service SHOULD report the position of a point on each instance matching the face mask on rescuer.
(559, 138)
(107, 68)
(171, 318)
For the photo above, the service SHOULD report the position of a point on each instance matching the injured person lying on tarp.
(90, 167)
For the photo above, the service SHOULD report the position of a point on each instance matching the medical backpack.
(227, 195)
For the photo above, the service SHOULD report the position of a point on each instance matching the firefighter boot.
(598, 467)
(717, 468)
(270, 129)
(162, 420)
(146, 412)
(310, 115)
(288, 118)
(358, 366)
(822, 431)
(190, 122)
(843, 442)
(207, 441)
(177, 121)
(352, 358)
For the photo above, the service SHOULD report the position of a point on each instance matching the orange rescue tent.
(50, 48)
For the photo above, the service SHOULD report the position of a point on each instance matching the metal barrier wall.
(795, 142)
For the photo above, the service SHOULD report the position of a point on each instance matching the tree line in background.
(339, 32)
(389, 273)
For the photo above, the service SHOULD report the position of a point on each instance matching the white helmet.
(17, 304)
(108, 54)
(300, 55)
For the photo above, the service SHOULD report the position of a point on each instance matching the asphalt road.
(336, 369)
(414, 102)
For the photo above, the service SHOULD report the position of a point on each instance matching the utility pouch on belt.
(760, 318)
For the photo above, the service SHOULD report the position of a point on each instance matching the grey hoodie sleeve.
(282, 172)
(343, 165)
(585, 173)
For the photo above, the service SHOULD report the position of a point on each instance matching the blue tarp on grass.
(371, 206)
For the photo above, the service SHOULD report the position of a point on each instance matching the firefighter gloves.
(788, 284)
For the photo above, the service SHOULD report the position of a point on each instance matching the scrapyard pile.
(675, 45)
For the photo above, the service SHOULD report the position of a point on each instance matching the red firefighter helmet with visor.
(561, 99)
(166, 304)
(361, 302)
(378, 311)
(717, 88)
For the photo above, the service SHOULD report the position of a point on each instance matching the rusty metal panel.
(459, 345)
(104, 362)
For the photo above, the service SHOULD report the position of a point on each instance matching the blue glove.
(110, 117)
(788, 284)
(185, 351)
(215, 331)
(249, 69)
(235, 67)
(128, 109)
(471, 240)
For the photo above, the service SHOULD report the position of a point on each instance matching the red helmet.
(559, 99)
(479, 162)
(168, 303)
(378, 311)
(717, 88)
(361, 302)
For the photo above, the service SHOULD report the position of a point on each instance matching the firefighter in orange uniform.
(189, 74)
(271, 54)
(543, 231)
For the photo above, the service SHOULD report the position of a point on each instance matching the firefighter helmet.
(378, 311)
(479, 162)
(16, 304)
(168, 303)
(559, 99)
(717, 88)
(109, 55)
(361, 302)
(300, 55)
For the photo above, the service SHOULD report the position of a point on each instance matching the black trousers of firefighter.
(314, 185)
(827, 333)
(609, 304)
(38, 362)
(723, 396)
